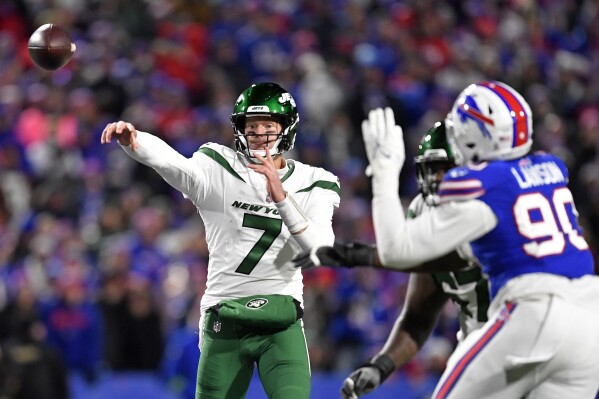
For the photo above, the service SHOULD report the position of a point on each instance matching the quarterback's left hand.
(383, 140)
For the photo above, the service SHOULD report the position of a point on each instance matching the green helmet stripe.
(435, 139)
(434, 158)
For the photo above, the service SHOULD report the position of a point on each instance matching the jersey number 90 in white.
(547, 226)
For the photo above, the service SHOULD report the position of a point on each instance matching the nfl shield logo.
(216, 326)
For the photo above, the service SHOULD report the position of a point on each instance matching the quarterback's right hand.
(339, 255)
(383, 140)
(360, 382)
(125, 132)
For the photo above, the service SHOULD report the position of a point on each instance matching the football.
(51, 47)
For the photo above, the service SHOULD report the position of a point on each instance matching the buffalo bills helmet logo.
(469, 109)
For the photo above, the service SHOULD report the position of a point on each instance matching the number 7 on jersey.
(272, 228)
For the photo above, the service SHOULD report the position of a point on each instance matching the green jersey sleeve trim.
(327, 185)
(221, 160)
(289, 172)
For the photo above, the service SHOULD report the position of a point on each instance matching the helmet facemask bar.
(434, 159)
(429, 174)
(280, 140)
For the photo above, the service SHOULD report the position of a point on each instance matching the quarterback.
(259, 210)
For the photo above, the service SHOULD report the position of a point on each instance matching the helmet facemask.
(429, 174)
(281, 139)
(265, 100)
(434, 159)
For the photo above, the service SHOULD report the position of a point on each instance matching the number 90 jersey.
(537, 230)
(250, 246)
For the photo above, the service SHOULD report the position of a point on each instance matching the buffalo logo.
(256, 303)
(468, 109)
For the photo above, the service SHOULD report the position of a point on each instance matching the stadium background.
(104, 264)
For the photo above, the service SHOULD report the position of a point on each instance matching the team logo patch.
(216, 327)
(286, 97)
(258, 108)
(469, 109)
(256, 303)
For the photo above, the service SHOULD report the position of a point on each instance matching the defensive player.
(518, 214)
(427, 293)
(259, 209)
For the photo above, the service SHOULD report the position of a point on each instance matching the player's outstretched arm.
(150, 150)
(424, 302)
(403, 244)
(359, 254)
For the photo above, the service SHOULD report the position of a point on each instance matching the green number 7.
(272, 229)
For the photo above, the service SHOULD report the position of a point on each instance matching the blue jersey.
(537, 230)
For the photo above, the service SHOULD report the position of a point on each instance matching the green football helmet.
(265, 99)
(434, 156)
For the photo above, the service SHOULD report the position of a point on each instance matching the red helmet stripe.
(521, 133)
(476, 115)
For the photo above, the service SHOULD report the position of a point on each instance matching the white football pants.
(541, 341)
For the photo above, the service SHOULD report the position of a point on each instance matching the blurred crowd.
(102, 264)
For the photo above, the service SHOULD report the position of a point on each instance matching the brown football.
(51, 47)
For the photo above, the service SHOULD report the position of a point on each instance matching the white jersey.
(468, 289)
(250, 247)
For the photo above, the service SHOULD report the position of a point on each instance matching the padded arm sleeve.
(309, 231)
(174, 168)
(292, 215)
(404, 243)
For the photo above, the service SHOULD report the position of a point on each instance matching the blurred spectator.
(75, 326)
(30, 369)
(21, 309)
(142, 340)
(112, 302)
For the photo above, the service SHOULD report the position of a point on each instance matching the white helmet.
(489, 120)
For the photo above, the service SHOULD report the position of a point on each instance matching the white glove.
(384, 142)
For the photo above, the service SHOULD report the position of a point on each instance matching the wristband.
(384, 364)
(292, 215)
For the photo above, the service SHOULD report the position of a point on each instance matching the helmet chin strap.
(273, 151)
